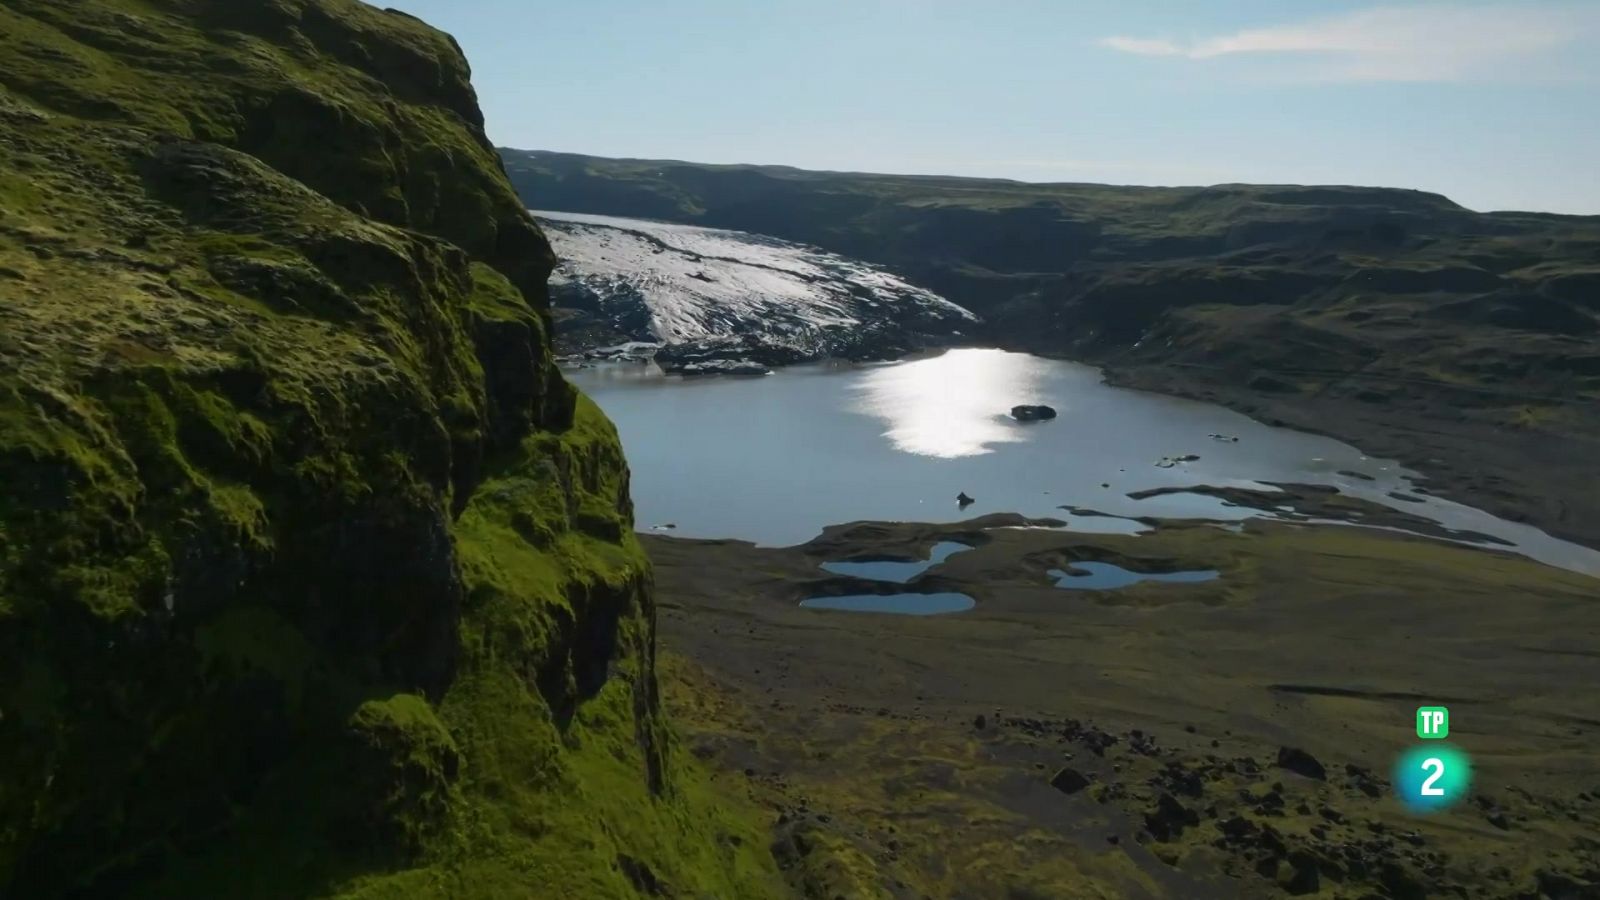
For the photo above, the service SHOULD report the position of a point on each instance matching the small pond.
(1101, 576)
(896, 571)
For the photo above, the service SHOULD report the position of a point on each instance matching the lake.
(775, 459)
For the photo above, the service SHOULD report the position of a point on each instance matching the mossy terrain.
(316, 579)
(1466, 344)
(1224, 739)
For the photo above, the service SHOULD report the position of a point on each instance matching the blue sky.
(1494, 103)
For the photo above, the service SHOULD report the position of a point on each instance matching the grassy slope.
(861, 728)
(315, 577)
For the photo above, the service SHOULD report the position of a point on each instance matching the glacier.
(718, 300)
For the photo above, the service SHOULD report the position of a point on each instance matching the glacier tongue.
(713, 294)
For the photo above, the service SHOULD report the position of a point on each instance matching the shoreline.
(1524, 477)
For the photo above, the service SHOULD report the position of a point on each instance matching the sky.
(1494, 103)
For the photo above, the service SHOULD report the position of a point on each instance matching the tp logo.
(1433, 722)
(1433, 776)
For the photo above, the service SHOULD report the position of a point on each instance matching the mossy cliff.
(315, 576)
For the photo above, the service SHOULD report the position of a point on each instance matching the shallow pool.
(896, 571)
(1101, 576)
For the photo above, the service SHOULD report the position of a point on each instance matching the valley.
(1160, 647)
(1115, 668)
(385, 514)
(1463, 344)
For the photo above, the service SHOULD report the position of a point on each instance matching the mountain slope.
(1364, 312)
(315, 576)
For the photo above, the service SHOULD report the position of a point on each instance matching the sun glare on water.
(952, 405)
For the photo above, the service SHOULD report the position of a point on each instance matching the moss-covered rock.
(407, 763)
(315, 577)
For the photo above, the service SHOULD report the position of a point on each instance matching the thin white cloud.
(1144, 46)
(1429, 42)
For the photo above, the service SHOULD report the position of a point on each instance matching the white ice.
(706, 282)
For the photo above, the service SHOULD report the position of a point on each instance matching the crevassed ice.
(706, 282)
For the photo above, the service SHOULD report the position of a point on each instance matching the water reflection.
(774, 460)
(955, 404)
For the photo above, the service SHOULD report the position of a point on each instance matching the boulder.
(1301, 763)
(1032, 413)
(1069, 781)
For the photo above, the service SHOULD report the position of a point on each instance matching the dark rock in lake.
(1032, 413)
(964, 501)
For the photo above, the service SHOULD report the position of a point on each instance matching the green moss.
(570, 786)
(493, 297)
(246, 639)
(315, 578)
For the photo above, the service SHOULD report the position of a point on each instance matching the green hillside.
(315, 576)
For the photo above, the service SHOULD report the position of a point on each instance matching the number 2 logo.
(1436, 765)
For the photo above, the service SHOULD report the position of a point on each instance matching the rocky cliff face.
(315, 576)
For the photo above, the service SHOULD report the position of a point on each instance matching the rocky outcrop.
(315, 576)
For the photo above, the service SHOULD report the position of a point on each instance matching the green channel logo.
(1433, 723)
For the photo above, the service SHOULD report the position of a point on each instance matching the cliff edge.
(315, 576)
